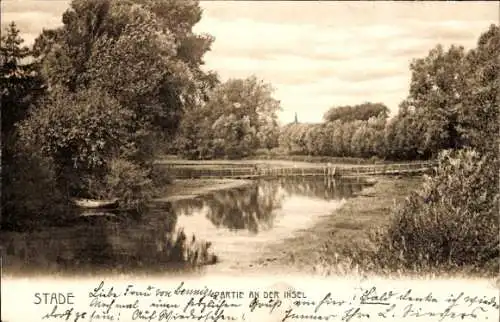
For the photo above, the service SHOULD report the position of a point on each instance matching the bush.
(161, 177)
(128, 182)
(82, 132)
(452, 221)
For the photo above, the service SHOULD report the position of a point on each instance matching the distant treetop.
(357, 112)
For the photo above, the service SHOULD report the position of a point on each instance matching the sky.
(316, 54)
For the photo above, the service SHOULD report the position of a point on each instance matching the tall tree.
(143, 52)
(19, 81)
(132, 68)
(436, 92)
(29, 194)
(239, 117)
(478, 115)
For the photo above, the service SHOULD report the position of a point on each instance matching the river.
(236, 224)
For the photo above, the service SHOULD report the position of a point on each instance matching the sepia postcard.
(185, 160)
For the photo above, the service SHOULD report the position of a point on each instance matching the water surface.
(236, 224)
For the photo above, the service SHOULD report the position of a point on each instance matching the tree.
(133, 50)
(233, 136)
(337, 138)
(312, 139)
(436, 91)
(21, 85)
(478, 115)
(82, 133)
(348, 130)
(358, 112)
(453, 98)
(403, 136)
(239, 117)
(376, 126)
(268, 134)
(121, 74)
(29, 192)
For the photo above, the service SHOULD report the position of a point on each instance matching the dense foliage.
(340, 139)
(30, 195)
(238, 118)
(121, 74)
(361, 112)
(85, 116)
(452, 221)
(19, 81)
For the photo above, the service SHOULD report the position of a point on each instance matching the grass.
(189, 188)
(343, 244)
(326, 245)
(320, 159)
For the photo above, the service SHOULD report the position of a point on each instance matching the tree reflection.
(151, 243)
(251, 208)
(188, 206)
(326, 188)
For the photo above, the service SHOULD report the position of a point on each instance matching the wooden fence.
(183, 171)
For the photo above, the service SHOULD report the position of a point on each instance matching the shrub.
(160, 177)
(127, 181)
(98, 147)
(452, 221)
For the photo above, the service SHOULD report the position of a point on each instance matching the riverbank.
(318, 249)
(301, 163)
(190, 188)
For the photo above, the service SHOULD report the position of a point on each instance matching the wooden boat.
(96, 204)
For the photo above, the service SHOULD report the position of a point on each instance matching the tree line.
(357, 138)
(449, 106)
(444, 109)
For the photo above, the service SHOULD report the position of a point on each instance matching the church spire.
(296, 119)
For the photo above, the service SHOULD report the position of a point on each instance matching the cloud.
(316, 54)
(33, 16)
(345, 52)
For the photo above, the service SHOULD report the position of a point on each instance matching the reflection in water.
(98, 244)
(242, 222)
(157, 240)
(254, 208)
(249, 208)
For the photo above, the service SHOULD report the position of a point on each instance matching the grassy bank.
(267, 155)
(270, 155)
(326, 247)
(342, 243)
(190, 188)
